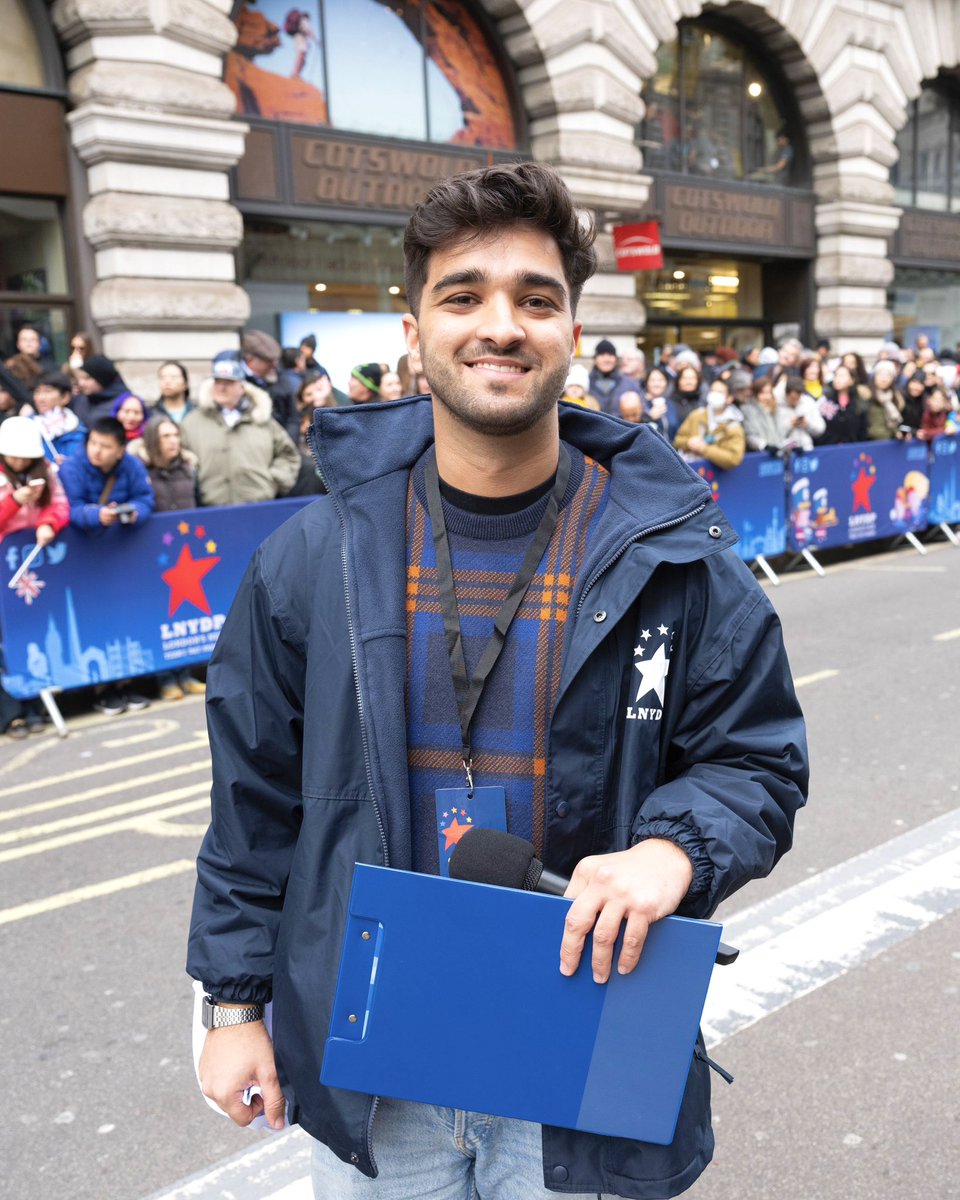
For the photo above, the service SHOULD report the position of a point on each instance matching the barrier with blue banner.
(134, 600)
(945, 481)
(857, 493)
(752, 499)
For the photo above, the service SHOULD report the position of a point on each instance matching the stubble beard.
(476, 407)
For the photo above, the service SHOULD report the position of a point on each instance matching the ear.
(577, 330)
(411, 334)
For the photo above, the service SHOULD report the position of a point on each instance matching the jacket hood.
(649, 482)
(260, 406)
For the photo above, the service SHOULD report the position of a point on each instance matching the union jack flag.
(28, 587)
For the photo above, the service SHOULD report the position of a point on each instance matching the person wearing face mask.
(658, 409)
(714, 432)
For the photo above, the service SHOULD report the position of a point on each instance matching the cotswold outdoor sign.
(711, 215)
(927, 238)
(307, 170)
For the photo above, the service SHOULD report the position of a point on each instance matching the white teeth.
(507, 370)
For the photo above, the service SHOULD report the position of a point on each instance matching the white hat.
(20, 438)
(578, 376)
(768, 356)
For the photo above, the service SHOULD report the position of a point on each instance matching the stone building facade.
(154, 226)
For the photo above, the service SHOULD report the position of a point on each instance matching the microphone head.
(493, 856)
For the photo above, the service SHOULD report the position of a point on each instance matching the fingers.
(275, 1107)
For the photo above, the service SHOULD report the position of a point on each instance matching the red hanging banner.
(637, 247)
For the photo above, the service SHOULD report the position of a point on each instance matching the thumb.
(274, 1105)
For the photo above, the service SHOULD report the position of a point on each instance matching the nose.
(499, 323)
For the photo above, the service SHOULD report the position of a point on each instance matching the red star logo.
(184, 581)
(861, 490)
(454, 832)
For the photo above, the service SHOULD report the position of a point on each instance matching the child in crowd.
(172, 469)
(63, 434)
(937, 417)
(31, 497)
(576, 389)
(105, 485)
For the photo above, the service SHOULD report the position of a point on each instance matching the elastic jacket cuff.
(689, 841)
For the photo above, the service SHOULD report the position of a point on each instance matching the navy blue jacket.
(308, 736)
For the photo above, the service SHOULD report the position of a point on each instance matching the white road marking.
(98, 814)
(98, 769)
(948, 636)
(816, 677)
(799, 940)
(126, 825)
(158, 727)
(124, 785)
(94, 890)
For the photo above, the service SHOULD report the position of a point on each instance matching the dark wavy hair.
(471, 206)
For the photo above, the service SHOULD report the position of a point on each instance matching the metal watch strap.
(218, 1016)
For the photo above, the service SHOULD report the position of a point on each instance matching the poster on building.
(276, 68)
(637, 247)
(131, 601)
(752, 498)
(840, 495)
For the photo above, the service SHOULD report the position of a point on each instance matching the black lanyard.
(469, 692)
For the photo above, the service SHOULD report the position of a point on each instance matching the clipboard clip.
(358, 978)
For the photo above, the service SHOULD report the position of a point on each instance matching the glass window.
(926, 301)
(697, 286)
(711, 111)
(932, 134)
(902, 171)
(51, 321)
(31, 247)
(927, 174)
(955, 161)
(21, 64)
(421, 70)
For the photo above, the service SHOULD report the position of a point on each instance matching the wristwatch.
(217, 1016)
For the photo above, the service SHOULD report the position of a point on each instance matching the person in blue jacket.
(105, 485)
(639, 726)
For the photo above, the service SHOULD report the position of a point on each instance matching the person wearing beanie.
(605, 377)
(101, 387)
(364, 383)
(243, 455)
(577, 388)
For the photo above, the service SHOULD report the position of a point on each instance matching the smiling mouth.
(506, 370)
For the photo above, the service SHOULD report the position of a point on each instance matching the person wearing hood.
(14, 395)
(714, 432)
(244, 456)
(101, 388)
(605, 376)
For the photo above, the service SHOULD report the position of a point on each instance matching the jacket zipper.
(363, 737)
(627, 544)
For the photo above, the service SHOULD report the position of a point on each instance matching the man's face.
(28, 342)
(357, 392)
(605, 363)
(259, 365)
(46, 397)
(788, 356)
(227, 393)
(632, 364)
(495, 330)
(104, 451)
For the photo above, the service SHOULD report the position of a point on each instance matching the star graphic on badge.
(183, 527)
(200, 532)
(861, 490)
(646, 635)
(211, 547)
(184, 579)
(167, 539)
(638, 650)
(653, 674)
(454, 832)
(662, 629)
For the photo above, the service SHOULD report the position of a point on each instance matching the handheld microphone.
(503, 859)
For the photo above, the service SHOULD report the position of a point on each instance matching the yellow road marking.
(94, 890)
(97, 769)
(948, 636)
(129, 824)
(814, 678)
(161, 727)
(100, 814)
(108, 789)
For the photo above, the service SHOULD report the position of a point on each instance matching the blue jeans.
(428, 1153)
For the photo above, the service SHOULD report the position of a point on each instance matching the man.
(260, 355)
(605, 377)
(28, 364)
(334, 718)
(364, 383)
(243, 454)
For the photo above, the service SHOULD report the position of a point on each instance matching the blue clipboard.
(450, 993)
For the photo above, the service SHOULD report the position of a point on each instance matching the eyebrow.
(521, 279)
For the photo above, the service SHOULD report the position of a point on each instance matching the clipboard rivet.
(352, 1018)
(366, 935)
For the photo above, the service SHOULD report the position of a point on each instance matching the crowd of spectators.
(720, 404)
(78, 446)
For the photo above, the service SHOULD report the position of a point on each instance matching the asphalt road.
(845, 1077)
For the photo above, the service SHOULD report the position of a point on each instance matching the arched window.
(714, 109)
(21, 60)
(927, 174)
(422, 70)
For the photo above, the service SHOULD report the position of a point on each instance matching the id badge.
(459, 810)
